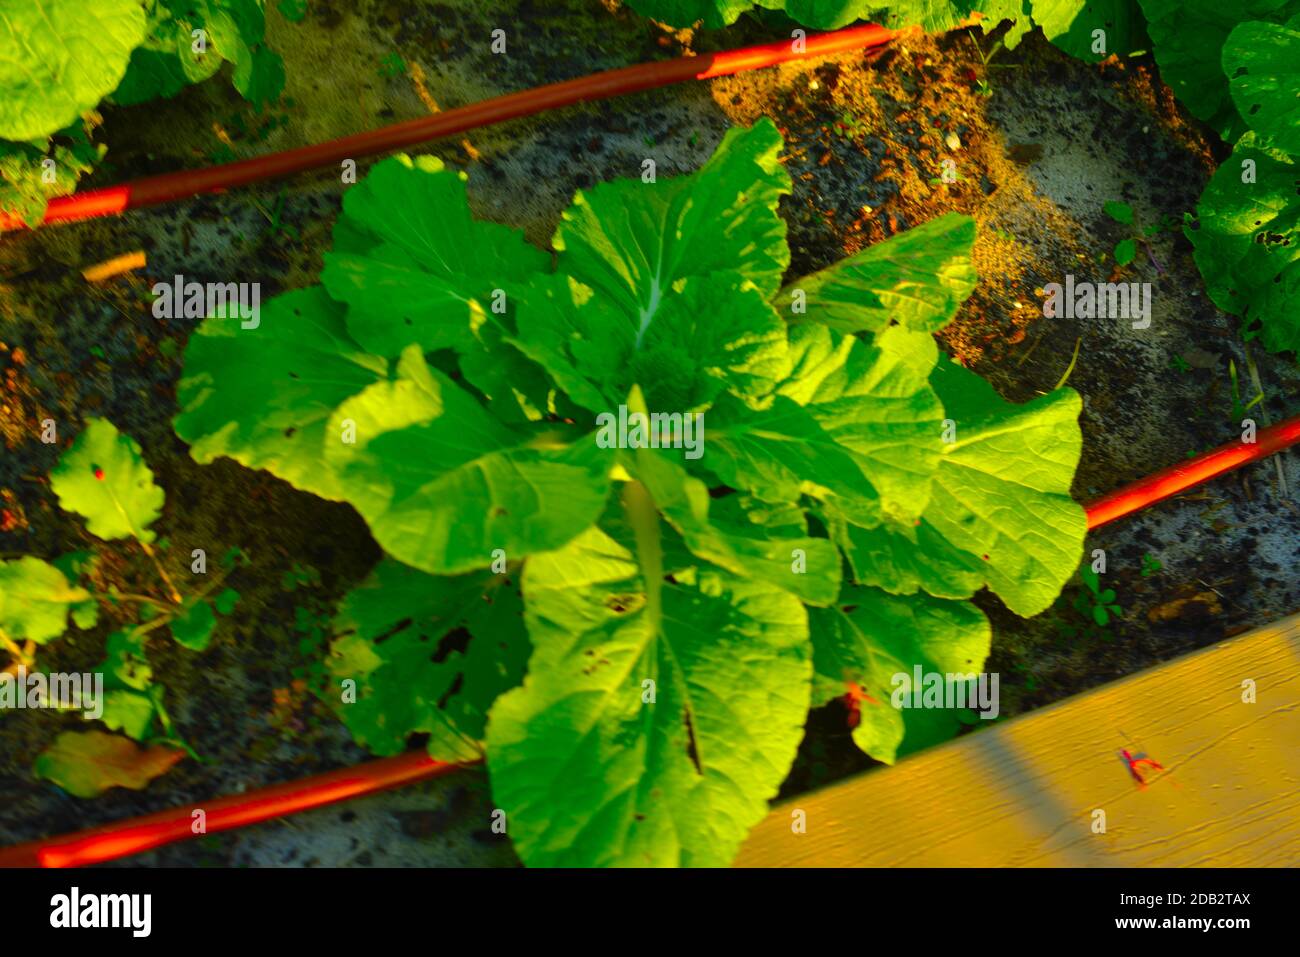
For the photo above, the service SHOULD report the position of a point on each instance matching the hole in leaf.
(451, 691)
(455, 640)
(385, 635)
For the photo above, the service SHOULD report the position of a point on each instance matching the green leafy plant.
(850, 126)
(1150, 565)
(1188, 39)
(1238, 408)
(1245, 229)
(103, 478)
(982, 84)
(59, 59)
(392, 65)
(189, 40)
(1070, 24)
(1096, 602)
(634, 635)
(1125, 250)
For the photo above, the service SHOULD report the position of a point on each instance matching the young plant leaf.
(194, 625)
(1125, 252)
(129, 712)
(1120, 212)
(104, 479)
(88, 763)
(126, 665)
(35, 599)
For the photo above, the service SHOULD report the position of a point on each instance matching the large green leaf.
(443, 484)
(35, 599)
(631, 242)
(264, 396)
(1262, 62)
(971, 533)
(685, 13)
(806, 567)
(1247, 239)
(1074, 25)
(780, 453)
(868, 637)
(103, 478)
(588, 769)
(876, 401)
(430, 271)
(916, 278)
(1188, 40)
(59, 58)
(429, 656)
(709, 334)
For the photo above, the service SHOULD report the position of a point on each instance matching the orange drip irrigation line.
(145, 833)
(1194, 471)
(136, 835)
(597, 86)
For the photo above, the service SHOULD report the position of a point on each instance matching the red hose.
(598, 86)
(133, 836)
(144, 833)
(1194, 471)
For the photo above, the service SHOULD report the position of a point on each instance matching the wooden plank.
(1022, 793)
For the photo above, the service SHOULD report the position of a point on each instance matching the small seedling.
(982, 85)
(1238, 409)
(1096, 602)
(849, 126)
(392, 65)
(1125, 250)
(1150, 565)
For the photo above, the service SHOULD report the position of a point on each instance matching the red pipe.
(144, 833)
(1194, 471)
(123, 838)
(597, 86)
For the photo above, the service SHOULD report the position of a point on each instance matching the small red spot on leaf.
(99, 473)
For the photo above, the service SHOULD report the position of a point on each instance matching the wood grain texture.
(1022, 793)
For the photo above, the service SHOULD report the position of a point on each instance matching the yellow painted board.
(1023, 793)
